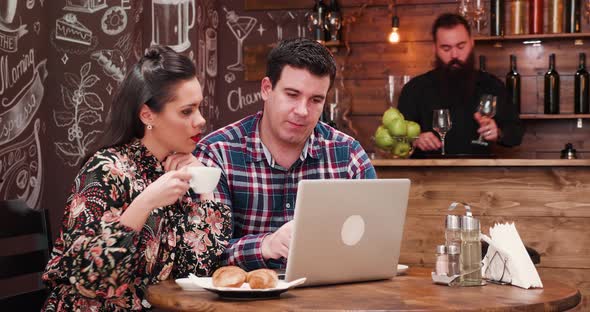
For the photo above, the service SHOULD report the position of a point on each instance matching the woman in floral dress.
(132, 219)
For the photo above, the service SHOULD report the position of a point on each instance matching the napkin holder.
(507, 261)
(444, 279)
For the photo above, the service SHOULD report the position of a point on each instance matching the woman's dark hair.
(300, 53)
(150, 81)
(449, 20)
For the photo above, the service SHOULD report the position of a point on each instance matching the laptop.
(347, 230)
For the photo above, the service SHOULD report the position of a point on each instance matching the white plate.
(186, 284)
(241, 293)
(402, 269)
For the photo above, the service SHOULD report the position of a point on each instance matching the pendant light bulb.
(394, 34)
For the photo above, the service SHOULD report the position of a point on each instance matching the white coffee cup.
(204, 179)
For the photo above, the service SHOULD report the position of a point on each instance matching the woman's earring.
(149, 127)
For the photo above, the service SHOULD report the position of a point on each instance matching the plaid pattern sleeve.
(262, 194)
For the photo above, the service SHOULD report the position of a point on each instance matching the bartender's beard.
(457, 80)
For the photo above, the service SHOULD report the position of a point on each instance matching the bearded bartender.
(456, 85)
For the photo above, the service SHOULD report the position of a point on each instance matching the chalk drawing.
(21, 169)
(112, 62)
(85, 6)
(240, 26)
(68, 28)
(230, 77)
(114, 20)
(125, 45)
(9, 34)
(81, 107)
(260, 29)
(170, 23)
(23, 106)
(280, 19)
(237, 101)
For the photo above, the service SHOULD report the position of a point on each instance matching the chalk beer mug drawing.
(7, 10)
(170, 23)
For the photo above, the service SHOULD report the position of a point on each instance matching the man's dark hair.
(300, 53)
(449, 20)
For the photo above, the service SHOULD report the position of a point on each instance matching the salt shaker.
(442, 262)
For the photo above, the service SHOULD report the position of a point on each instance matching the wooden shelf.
(480, 162)
(533, 37)
(554, 116)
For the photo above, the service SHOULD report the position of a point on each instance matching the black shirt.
(423, 94)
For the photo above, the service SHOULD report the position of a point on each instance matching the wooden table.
(414, 291)
(547, 199)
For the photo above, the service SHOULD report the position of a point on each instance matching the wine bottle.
(513, 83)
(482, 63)
(551, 88)
(328, 118)
(581, 88)
(555, 16)
(536, 16)
(573, 18)
(319, 16)
(517, 14)
(333, 15)
(497, 17)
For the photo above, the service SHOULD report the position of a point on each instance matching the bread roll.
(229, 276)
(263, 278)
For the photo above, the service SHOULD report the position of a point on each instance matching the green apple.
(401, 149)
(382, 138)
(397, 128)
(390, 115)
(413, 129)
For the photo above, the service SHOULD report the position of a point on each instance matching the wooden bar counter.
(547, 199)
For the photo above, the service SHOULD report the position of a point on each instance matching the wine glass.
(333, 24)
(316, 23)
(390, 91)
(441, 123)
(487, 107)
(479, 16)
(280, 19)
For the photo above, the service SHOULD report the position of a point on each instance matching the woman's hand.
(178, 161)
(165, 191)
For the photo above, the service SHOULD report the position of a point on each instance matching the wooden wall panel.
(497, 192)
(560, 241)
(371, 59)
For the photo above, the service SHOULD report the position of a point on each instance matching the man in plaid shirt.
(263, 156)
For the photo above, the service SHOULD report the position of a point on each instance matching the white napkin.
(507, 259)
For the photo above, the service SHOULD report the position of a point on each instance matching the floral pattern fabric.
(98, 264)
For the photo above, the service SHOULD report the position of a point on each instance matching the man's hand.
(427, 141)
(488, 128)
(276, 245)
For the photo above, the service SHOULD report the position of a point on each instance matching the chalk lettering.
(10, 76)
(236, 101)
